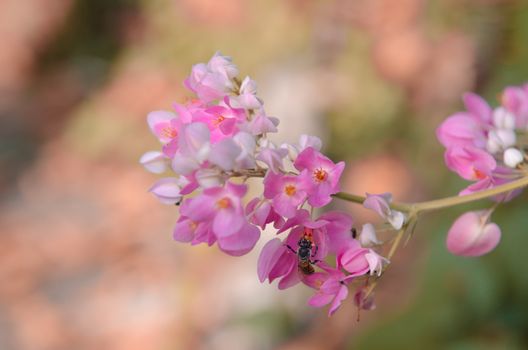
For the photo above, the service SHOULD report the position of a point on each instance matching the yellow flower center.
(320, 174)
(478, 174)
(223, 203)
(169, 132)
(218, 120)
(290, 190)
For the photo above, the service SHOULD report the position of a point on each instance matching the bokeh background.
(87, 259)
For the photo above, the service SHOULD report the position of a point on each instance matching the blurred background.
(87, 260)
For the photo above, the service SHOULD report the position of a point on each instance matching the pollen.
(192, 225)
(320, 175)
(169, 132)
(218, 120)
(290, 190)
(479, 174)
(223, 203)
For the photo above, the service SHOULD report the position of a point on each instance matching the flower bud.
(167, 190)
(503, 119)
(368, 237)
(513, 157)
(500, 139)
(472, 235)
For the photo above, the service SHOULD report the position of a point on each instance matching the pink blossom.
(331, 286)
(272, 157)
(461, 129)
(217, 215)
(262, 124)
(247, 97)
(212, 81)
(305, 141)
(515, 100)
(380, 204)
(194, 148)
(166, 127)
(469, 162)
(154, 161)
(168, 189)
(477, 107)
(473, 235)
(368, 237)
(187, 230)
(222, 206)
(321, 178)
(376, 262)
(330, 232)
(354, 260)
(260, 212)
(276, 261)
(241, 242)
(500, 176)
(222, 121)
(286, 192)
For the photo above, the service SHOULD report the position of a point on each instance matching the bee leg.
(315, 253)
(291, 249)
(314, 262)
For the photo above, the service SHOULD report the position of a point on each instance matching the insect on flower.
(304, 252)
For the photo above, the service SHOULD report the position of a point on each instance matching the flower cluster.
(488, 146)
(215, 142)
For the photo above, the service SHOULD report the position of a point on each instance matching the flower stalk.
(446, 202)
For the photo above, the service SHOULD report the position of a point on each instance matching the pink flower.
(305, 141)
(222, 206)
(260, 212)
(217, 215)
(380, 204)
(234, 153)
(247, 97)
(469, 162)
(168, 190)
(212, 81)
(222, 121)
(321, 178)
(500, 175)
(262, 124)
(194, 148)
(276, 261)
(272, 157)
(154, 161)
(461, 129)
(286, 192)
(472, 234)
(354, 261)
(331, 286)
(330, 232)
(376, 262)
(187, 230)
(368, 237)
(477, 107)
(515, 100)
(166, 127)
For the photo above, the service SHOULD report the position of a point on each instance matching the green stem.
(443, 202)
(360, 199)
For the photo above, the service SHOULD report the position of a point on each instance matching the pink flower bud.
(472, 235)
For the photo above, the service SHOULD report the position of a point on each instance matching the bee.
(304, 252)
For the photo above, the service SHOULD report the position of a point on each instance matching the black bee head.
(304, 243)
